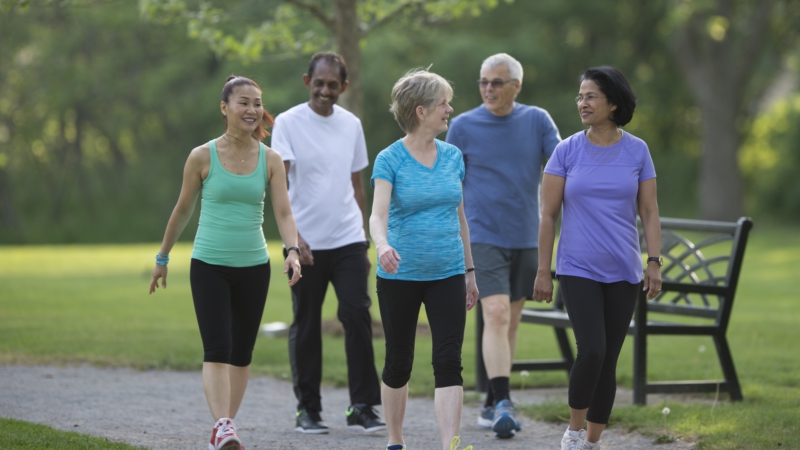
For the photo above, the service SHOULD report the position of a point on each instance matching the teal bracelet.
(162, 259)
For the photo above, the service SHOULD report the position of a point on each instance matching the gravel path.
(167, 410)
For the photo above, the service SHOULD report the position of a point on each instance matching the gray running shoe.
(486, 418)
(505, 422)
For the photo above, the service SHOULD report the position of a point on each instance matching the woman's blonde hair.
(417, 87)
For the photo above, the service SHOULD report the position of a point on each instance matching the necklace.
(225, 136)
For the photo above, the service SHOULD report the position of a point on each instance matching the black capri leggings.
(445, 305)
(229, 302)
(600, 314)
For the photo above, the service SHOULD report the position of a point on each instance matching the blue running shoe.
(486, 418)
(505, 420)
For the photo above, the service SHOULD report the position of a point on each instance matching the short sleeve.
(383, 168)
(281, 139)
(452, 134)
(556, 165)
(360, 159)
(550, 135)
(648, 168)
(461, 169)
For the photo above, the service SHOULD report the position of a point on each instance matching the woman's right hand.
(158, 272)
(389, 259)
(543, 287)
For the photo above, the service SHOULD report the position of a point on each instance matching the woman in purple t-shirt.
(600, 176)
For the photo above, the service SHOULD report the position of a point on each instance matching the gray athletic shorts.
(505, 271)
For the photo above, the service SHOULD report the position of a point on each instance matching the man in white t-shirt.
(324, 151)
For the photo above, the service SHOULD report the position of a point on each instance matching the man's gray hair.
(418, 87)
(514, 67)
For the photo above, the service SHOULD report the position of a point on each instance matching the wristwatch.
(656, 259)
(297, 249)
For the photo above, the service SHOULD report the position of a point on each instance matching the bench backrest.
(702, 263)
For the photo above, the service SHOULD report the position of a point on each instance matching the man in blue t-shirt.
(505, 145)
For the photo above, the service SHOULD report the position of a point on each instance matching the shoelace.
(369, 411)
(576, 442)
(228, 429)
(455, 442)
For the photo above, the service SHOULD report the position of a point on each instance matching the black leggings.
(229, 302)
(445, 305)
(600, 314)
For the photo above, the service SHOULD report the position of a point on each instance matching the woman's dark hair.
(332, 59)
(618, 92)
(232, 82)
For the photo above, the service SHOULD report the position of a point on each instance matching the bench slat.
(545, 364)
(683, 310)
(685, 330)
(671, 286)
(696, 225)
(552, 317)
(685, 387)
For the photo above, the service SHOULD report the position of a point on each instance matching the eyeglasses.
(497, 84)
(589, 98)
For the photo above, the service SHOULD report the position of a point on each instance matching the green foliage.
(99, 109)
(769, 161)
(279, 29)
(28, 436)
(89, 137)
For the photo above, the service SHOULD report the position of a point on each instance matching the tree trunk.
(720, 178)
(8, 214)
(717, 72)
(721, 186)
(347, 36)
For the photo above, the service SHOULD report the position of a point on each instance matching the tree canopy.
(101, 101)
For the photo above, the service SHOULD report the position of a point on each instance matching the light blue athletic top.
(231, 214)
(423, 214)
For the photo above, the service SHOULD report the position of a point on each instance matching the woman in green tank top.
(230, 267)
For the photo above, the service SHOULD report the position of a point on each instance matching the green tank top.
(231, 215)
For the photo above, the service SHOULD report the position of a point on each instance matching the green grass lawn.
(66, 304)
(28, 436)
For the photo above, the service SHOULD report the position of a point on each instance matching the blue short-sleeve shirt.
(503, 157)
(423, 213)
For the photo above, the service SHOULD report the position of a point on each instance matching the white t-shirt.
(324, 152)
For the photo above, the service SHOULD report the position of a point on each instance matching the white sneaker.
(589, 446)
(573, 440)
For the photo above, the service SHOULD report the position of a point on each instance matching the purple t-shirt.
(599, 239)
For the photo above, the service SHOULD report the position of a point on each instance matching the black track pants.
(346, 268)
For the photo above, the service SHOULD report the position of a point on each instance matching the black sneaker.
(309, 422)
(363, 417)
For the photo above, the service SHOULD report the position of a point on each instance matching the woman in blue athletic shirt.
(422, 240)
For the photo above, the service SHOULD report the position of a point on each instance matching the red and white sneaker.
(224, 436)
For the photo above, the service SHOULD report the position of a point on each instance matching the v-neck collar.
(435, 162)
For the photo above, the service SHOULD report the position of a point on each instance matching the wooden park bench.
(702, 263)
